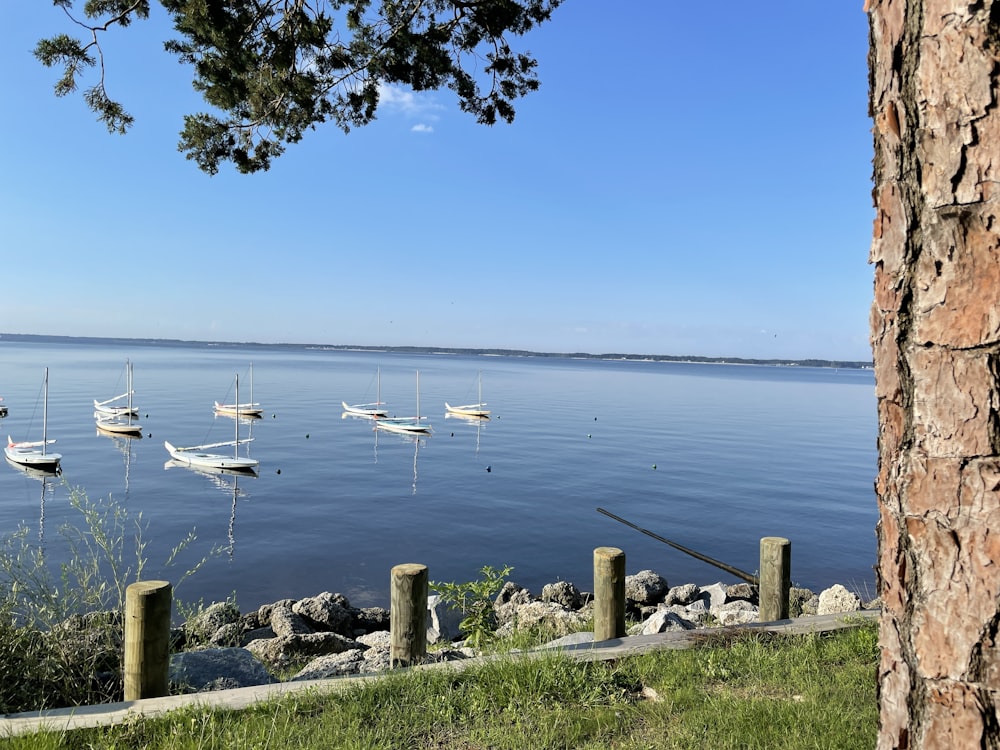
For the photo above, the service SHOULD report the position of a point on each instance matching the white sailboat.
(199, 456)
(471, 410)
(34, 454)
(372, 410)
(119, 420)
(405, 425)
(113, 409)
(249, 409)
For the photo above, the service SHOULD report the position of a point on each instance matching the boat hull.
(239, 410)
(207, 460)
(470, 410)
(116, 427)
(403, 426)
(364, 410)
(32, 457)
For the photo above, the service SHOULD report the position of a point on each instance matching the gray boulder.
(325, 612)
(713, 596)
(285, 622)
(217, 669)
(332, 665)
(802, 602)
(563, 593)
(203, 626)
(378, 639)
(746, 591)
(511, 593)
(645, 587)
(443, 620)
(681, 594)
(375, 660)
(546, 616)
(664, 621)
(736, 612)
(370, 619)
(837, 599)
(298, 648)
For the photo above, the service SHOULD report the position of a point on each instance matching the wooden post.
(408, 615)
(609, 593)
(147, 639)
(775, 578)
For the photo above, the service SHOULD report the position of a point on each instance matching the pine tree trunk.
(936, 339)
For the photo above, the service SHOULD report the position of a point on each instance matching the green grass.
(752, 691)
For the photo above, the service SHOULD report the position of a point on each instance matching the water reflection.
(478, 421)
(417, 441)
(369, 420)
(45, 476)
(227, 480)
(123, 442)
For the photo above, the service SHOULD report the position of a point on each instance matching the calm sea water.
(712, 457)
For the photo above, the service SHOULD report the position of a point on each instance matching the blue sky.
(686, 181)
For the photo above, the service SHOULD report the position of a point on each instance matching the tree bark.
(935, 326)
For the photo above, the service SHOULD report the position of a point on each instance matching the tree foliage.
(273, 69)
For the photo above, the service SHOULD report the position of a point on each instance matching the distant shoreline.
(611, 356)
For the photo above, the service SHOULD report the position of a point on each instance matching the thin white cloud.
(422, 127)
(397, 100)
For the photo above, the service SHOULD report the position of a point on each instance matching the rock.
(837, 599)
(325, 612)
(507, 602)
(332, 665)
(663, 621)
(229, 634)
(375, 660)
(546, 616)
(443, 620)
(203, 626)
(283, 651)
(563, 593)
(681, 594)
(745, 591)
(370, 619)
(736, 612)
(257, 634)
(378, 639)
(802, 602)
(217, 669)
(265, 610)
(645, 587)
(285, 622)
(713, 596)
(511, 593)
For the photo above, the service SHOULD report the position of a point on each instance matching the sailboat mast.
(418, 396)
(45, 411)
(236, 420)
(128, 386)
(251, 391)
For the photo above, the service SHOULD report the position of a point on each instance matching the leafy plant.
(474, 599)
(61, 628)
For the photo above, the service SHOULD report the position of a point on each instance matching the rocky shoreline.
(324, 636)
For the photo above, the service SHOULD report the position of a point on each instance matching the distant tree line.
(835, 363)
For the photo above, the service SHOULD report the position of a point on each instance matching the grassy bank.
(757, 691)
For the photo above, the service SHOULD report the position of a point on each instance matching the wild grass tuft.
(60, 625)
